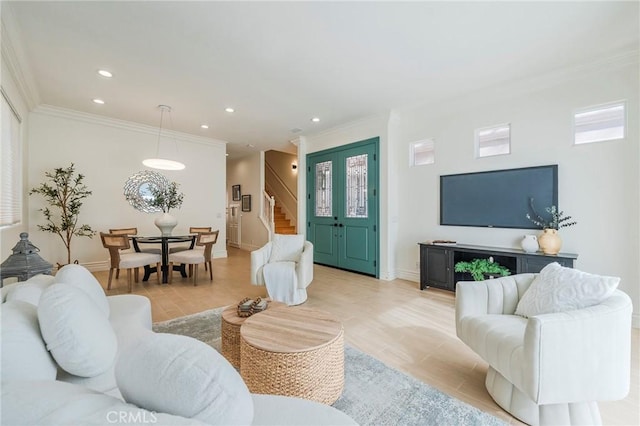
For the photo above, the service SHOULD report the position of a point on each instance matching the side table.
(293, 352)
(230, 330)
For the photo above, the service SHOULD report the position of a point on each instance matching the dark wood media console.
(437, 262)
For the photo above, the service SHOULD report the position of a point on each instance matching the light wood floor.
(407, 329)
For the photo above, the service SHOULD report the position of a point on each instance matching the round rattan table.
(293, 352)
(230, 331)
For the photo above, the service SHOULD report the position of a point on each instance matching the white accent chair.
(285, 266)
(549, 368)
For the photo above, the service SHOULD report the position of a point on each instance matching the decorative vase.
(529, 243)
(165, 223)
(550, 242)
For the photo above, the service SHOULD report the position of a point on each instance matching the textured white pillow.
(286, 248)
(80, 277)
(185, 377)
(24, 355)
(28, 291)
(77, 333)
(559, 289)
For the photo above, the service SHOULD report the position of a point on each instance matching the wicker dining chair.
(130, 261)
(196, 256)
(123, 231)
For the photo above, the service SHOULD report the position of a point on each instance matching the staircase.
(283, 225)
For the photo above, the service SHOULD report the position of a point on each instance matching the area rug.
(374, 394)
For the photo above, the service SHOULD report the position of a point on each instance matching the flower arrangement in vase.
(166, 198)
(549, 241)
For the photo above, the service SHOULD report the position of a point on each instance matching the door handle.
(340, 225)
(335, 224)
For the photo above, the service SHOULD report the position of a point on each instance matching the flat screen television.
(498, 198)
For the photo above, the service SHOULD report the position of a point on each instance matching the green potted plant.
(64, 192)
(166, 198)
(479, 268)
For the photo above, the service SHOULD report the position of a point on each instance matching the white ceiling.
(281, 63)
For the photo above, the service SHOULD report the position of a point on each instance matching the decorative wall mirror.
(137, 193)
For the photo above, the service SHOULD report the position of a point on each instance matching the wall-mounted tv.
(498, 198)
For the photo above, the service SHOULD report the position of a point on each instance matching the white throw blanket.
(282, 282)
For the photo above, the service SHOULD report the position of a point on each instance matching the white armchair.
(285, 266)
(549, 368)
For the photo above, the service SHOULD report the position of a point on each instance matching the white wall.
(248, 173)
(107, 152)
(598, 183)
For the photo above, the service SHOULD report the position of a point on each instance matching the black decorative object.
(25, 262)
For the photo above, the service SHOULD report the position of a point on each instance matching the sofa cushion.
(80, 277)
(286, 248)
(24, 355)
(183, 376)
(30, 291)
(76, 332)
(559, 289)
(58, 403)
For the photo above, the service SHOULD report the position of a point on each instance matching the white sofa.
(549, 368)
(71, 355)
(285, 266)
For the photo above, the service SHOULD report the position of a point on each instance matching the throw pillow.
(80, 277)
(24, 355)
(559, 289)
(183, 376)
(286, 248)
(29, 291)
(77, 333)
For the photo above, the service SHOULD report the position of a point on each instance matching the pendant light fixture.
(164, 163)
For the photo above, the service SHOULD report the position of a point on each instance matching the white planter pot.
(166, 223)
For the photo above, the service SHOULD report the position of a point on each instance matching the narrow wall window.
(11, 162)
(422, 152)
(494, 140)
(599, 123)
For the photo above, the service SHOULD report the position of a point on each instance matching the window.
(11, 162)
(599, 123)
(422, 152)
(494, 140)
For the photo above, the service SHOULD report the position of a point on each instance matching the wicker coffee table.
(230, 328)
(293, 352)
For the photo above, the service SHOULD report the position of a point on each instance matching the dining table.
(164, 242)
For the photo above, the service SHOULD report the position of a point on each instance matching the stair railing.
(287, 200)
(267, 216)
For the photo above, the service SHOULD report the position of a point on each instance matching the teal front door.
(342, 206)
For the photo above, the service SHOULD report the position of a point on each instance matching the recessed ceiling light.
(105, 73)
(315, 119)
(204, 126)
(229, 109)
(98, 101)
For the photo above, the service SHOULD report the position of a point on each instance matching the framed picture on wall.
(235, 192)
(246, 203)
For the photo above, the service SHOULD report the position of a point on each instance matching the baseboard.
(249, 247)
(409, 275)
(96, 266)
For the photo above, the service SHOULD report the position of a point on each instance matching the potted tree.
(64, 191)
(481, 269)
(166, 198)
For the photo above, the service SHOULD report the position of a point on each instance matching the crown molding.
(377, 119)
(84, 117)
(513, 88)
(15, 60)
